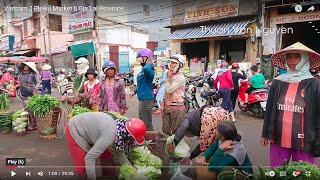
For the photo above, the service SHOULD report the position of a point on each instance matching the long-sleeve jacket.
(94, 132)
(311, 115)
(119, 95)
(144, 82)
(175, 89)
(191, 123)
(225, 80)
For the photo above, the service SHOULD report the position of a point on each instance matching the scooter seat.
(258, 90)
(212, 92)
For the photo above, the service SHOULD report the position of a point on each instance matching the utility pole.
(49, 41)
(45, 43)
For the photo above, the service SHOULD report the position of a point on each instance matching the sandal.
(32, 128)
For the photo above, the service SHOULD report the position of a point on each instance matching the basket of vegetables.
(145, 165)
(79, 110)
(20, 122)
(47, 111)
(5, 116)
(157, 143)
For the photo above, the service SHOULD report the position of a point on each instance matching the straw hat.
(278, 59)
(32, 66)
(46, 67)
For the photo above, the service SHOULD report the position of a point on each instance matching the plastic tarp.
(82, 49)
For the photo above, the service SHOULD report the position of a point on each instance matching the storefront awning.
(82, 49)
(211, 30)
(21, 52)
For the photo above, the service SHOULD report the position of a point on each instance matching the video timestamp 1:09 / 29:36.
(60, 173)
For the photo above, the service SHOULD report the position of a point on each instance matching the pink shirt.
(94, 88)
(175, 89)
(6, 78)
(225, 80)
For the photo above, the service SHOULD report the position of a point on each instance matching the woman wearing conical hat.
(292, 119)
(46, 79)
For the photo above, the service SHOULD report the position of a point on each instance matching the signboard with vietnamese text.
(6, 42)
(81, 17)
(296, 17)
(211, 11)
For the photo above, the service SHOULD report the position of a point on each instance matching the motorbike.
(201, 92)
(155, 89)
(257, 99)
(128, 78)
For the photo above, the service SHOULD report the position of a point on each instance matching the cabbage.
(148, 171)
(143, 157)
(126, 172)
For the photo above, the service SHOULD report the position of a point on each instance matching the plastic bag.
(182, 149)
(179, 176)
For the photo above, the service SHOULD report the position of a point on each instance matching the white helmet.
(180, 59)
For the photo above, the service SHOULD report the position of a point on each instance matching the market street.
(53, 155)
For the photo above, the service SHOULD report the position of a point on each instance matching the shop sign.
(81, 19)
(303, 17)
(59, 50)
(211, 11)
(6, 43)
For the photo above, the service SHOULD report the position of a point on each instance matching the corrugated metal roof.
(212, 30)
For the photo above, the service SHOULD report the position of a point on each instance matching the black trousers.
(234, 96)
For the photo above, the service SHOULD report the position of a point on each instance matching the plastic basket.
(5, 122)
(47, 123)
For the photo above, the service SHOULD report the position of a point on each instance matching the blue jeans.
(45, 85)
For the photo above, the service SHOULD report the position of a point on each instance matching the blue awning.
(211, 30)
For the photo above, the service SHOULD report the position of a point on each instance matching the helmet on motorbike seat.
(224, 64)
(107, 65)
(137, 128)
(235, 65)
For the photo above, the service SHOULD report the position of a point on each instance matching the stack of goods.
(145, 165)
(20, 122)
(5, 116)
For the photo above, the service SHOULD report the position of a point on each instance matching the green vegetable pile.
(290, 168)
(117, 115)
(79, 110)
(20, 121)
(48, 131)
(5, 122)
(127, 172)
(147, 164)
(4, 102)
(40, 105)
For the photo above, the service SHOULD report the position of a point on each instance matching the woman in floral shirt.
(112, 96)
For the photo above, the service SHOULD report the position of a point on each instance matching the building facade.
(204, 31)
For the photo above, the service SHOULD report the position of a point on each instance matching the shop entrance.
(308, 33)
(196, 50)
(233, 50)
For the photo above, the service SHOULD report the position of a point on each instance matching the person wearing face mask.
(228, 150)
(292, 118)
(112, 95)
(172, 107)
(82, 67)
(144, 86)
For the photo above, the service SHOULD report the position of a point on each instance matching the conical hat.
(32, 65)
(46, 67)
(278, 59)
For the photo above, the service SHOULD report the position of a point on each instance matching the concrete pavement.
(53, 155)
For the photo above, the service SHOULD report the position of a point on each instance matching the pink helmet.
(137, 128)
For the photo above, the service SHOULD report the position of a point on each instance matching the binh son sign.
(211, 11)
(81, 18)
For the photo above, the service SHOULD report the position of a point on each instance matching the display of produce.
(40, 105)
(5, 122)
(4, 102)
(20, 121)
(79, 110)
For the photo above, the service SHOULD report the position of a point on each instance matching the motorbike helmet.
(143, 55)
(179, 59)
(107, 65)
(235, 65)
(224, 64)
(137, 128)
